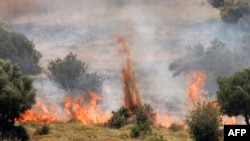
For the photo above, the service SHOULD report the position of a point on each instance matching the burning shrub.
(142, 126)
(119, 118)
(204, 122)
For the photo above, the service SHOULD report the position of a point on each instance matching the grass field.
(76, 131)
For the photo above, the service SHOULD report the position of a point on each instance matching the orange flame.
(167, 120)
(77, 109)
(83, 108)
(229, 120)
(195, 88)
(164, 121)
(131, 93)
(40, 113)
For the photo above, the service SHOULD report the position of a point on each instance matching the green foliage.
(204, 122)
(16, 94)
(19, 50)
(234, 94)
(72, 74)
(44, 130)
(175, 127)
(15, 133)
(142, 126)
(119, 118)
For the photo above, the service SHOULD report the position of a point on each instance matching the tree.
(204, 122)
(234, 94)
(216, 3)
(231, 11)
(16, 95)
(19, 50)
(71, 74)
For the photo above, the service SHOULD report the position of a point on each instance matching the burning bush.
(119, 118)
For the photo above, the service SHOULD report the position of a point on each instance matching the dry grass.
(75, 131)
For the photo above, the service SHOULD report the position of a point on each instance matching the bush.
(15, 133)
(119, 118)
(44, 130)
(140, 130)
(175, 127)
(204, 122)
(142, 126)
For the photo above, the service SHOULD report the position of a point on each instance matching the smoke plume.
(158, 31)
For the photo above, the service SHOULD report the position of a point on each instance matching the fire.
(82, 108)
(40, 113)
(131, 93)
(163, 121)
(229, 120)
(196, 86)
(167, 120)
(86, 112)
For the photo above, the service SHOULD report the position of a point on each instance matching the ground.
(75, 131)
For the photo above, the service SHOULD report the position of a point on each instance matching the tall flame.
(196, 86)
(83, 108)
(131, 93)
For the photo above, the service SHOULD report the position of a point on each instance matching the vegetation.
(15, 133)
(44, 130)
(232, 11)
(19, 50)
(157, 138)
(175, 127)
(71, 74)
(216, 3)
(76, 131)
(233, 94)
(16, 96)
(204, 122)
(119, 118)
(142, 126)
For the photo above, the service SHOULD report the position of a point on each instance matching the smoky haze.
(158, 32)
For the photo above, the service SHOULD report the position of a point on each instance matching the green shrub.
(204, 122)
(15, 133)
(142, 126)
(119, 118)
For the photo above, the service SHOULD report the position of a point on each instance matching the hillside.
(75, 131)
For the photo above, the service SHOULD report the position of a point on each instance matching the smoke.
(158, 32)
